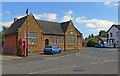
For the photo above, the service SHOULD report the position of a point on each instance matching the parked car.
(52, 50)
(106, 45)
(99, 45)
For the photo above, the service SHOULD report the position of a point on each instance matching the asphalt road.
(86, 61)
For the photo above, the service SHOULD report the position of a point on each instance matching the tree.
(102, 33)
(4, 29)
(0, 38)
(92, 35)
(92, 41)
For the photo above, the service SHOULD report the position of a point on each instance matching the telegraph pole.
(26, 52)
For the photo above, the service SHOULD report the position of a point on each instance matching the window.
(71, 39)
(79, 40)
(60, 40)
(32, 37)
(110, 34)
(71, 32)
(54, 40)
(117, 34)
(117, 42)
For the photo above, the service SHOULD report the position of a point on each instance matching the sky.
(88, 17)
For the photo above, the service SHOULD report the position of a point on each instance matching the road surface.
(85, 61)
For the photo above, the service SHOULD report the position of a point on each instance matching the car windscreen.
(49, 47)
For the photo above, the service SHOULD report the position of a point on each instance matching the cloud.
(91, 25)
(69, 12)
(0, 14)
(48, 16)
(18, 17)
(111, 4)
(5, 23)
(68, 16)
(8, 12)
(37, 16)
(95, 24)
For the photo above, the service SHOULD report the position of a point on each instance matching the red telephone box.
(23, 47)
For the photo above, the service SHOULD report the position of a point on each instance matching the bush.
(92, 41)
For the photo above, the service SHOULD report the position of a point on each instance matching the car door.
(55, 49)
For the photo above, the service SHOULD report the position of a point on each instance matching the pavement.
(84, 61)
(8, 57)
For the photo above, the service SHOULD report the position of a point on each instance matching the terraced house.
(40, 34)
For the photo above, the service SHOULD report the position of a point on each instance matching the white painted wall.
(119, 39)
(115, 36)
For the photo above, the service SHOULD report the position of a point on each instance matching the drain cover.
(78, 70)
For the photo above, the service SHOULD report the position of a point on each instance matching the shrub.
(92, 41)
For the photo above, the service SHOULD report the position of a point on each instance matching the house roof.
(117, 26)
(14, 27)
(50, 27)
(47, 27)
(78, 32)
(64, 26)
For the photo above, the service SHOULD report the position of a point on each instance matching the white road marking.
(89, 57)
(103, 61)
(61, 56)
(53, 69)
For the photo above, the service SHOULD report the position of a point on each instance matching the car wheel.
(44, 53)
(53, 52)
(59, 51)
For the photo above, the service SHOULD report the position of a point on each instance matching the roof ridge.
(47, 21)
(65, 22)
(21, 18)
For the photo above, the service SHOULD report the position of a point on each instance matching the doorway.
(46, 42)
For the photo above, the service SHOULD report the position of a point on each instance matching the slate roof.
(78, 32)
(117, 26)
(14, 27)
(64, 26)
(50, 27)
(47, 27)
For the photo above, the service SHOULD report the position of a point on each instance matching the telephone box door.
(23, 46)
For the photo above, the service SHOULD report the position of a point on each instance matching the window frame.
(32, 39)
(60, 40)
(71, 40)
(54, 40)
(111, 34)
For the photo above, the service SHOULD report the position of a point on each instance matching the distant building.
(114, 36)
(41, 34)
(85, 42)
(103, 36)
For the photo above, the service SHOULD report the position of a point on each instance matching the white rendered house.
(114, 36)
